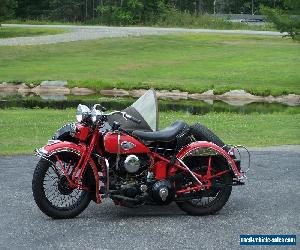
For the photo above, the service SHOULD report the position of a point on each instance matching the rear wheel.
(207, 201)
(52, 193)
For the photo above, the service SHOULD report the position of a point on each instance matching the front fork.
(74, 180)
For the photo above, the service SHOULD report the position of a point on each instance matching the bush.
(285, 20)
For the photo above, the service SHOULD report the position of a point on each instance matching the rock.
(137, 92)
(290, 99)
(269, 99)
(57, 83)
(82, 91)
(114, 92)
(239, 94)
(51, 90)
(23, 88)
(207, 95)
(238, 97)
(174, 94)
(8, 87)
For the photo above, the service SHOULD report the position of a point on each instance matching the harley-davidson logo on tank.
(126, 145)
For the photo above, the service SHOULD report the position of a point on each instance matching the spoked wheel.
(211, 200)
(51, 190)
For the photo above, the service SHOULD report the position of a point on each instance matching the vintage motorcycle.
(122, 156)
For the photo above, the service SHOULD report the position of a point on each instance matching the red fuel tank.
(128, 144)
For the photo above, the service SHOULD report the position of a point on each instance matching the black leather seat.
(167, 134)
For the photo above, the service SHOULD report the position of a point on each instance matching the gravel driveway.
(268, 204)
(77, 33)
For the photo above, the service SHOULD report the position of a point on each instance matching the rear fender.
(56, 146)
(204, 148)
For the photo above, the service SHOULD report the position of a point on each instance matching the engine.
(131, 181)
(129, 171)
(132, 164)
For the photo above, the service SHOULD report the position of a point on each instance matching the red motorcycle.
(122, 156)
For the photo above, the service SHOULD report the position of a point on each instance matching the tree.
(68, 10)
(287, 19)
(7, 9)
(32, 9)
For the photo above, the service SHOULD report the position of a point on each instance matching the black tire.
(202, 133)
(45, 205)
(212, 207)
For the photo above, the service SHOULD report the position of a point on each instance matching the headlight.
(82, 113)
(95, 112)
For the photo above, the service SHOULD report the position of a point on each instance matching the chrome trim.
(230, 165)
(167, 149)
(231, 152)
(42, 151)
(163, 193)
(107, 175)
(46, 158)
(192, 174)
(119, 150)
(51, 142)
(127, 145)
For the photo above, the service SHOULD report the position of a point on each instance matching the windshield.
(145, 109)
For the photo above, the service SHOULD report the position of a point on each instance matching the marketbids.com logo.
(267, 240)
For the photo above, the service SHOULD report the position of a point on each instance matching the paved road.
(77, 33)
(268, 204)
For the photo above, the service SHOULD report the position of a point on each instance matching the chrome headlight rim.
(82, 113)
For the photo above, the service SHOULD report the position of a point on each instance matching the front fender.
(204, 148)
(55, 146)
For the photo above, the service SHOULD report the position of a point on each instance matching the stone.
(239, 94)
(56, 83)
(8, 87)
(82, 91)
(174, 94)
(114, 92)
(137, 92)
(290, 99)
(207, 95)
(51, 90)
(23, 88)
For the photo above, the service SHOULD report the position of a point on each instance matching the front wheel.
(52, 193)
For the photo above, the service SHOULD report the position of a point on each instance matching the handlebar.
(84, 114)
(125, 115)
(132, 118)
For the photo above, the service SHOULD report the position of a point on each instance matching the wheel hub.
(63, 186)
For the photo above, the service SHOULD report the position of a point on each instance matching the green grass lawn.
(191, 62)
(22, 130)
(8, 32)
